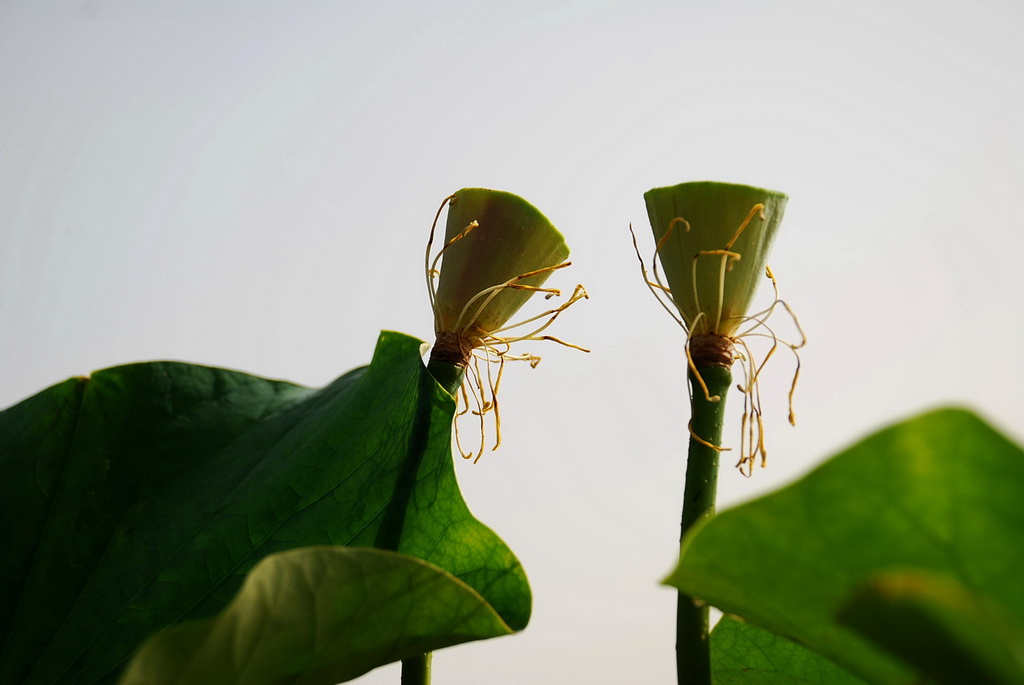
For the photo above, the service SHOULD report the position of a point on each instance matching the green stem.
(448, 375)
(416, 670)
(693, 656)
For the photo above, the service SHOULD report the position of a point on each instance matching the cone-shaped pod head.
(715, 254)
(498, 249)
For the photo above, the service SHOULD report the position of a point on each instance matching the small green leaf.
(939, 626)
(318, 616)
(141, 497)
(941, 492)
(742, 654)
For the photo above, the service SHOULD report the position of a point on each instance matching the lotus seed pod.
(497, 253)
(494, 241)
(713, 242)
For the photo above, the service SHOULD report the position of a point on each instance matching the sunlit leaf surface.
(941, 493)
(318, 616)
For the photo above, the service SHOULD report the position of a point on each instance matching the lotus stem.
(416, 671)
(693, 654)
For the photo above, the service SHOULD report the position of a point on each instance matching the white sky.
(250, 184)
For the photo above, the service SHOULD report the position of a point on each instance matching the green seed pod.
(713, 242)
(499, 250)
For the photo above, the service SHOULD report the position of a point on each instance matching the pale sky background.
(250, 185)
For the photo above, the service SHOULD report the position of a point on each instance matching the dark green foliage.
(142, 496)
(742, 654)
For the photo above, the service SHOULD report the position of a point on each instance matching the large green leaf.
(142, 496)
(319, 616)
(948, 632)
(742, 654)
(941, 492)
